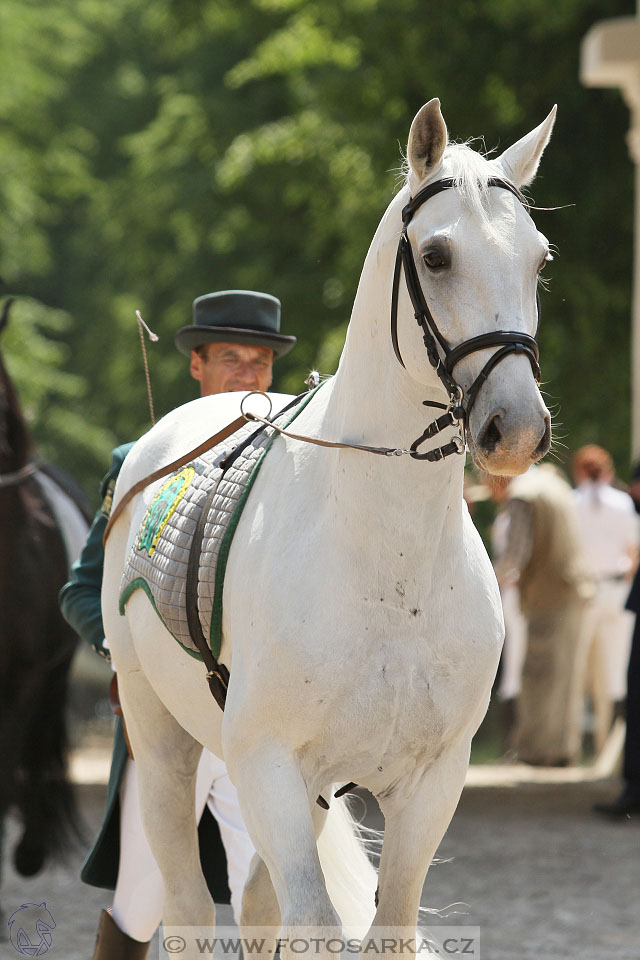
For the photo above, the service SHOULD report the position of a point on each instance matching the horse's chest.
(411, 688)
(363, 696)
(356, 649)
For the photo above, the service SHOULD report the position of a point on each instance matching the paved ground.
(539, 873)
(542, 875)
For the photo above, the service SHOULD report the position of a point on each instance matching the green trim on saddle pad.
(215, 629)
(141, 584)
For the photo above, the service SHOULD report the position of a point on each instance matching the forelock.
(471, 172)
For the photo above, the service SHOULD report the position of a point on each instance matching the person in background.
(231, 345)
(515, 624)
(627, 803)
(610, 535)
(542, 555)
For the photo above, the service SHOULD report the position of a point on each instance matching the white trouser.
(139, 895)
(515, 644)
(610, 628)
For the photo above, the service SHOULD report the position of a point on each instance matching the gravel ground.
(537, 871)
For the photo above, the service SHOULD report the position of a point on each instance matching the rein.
(510, 341)
(457, 444)
(11, 479)
(170, 468)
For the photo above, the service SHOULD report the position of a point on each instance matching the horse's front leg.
(167, 757)
(277, 810)
(414, 827)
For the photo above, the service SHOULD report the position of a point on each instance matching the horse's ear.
(427, 139)
(520, 162)
(4, 317)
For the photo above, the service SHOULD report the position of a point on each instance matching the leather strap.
(446, 184)
(192, 455)
(116, 709)
(394, 306)
(528, 344)
(217, 673)
(175, 465)
(11, 479)
(510, 341)
(382, 451)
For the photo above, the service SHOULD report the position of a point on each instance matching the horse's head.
(477, 255)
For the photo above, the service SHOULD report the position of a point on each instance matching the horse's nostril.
(545, 441)
(491, 436)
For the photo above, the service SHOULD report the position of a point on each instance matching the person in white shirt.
(610, 532)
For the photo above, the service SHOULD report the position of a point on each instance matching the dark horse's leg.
(45, 795)
(37, 649)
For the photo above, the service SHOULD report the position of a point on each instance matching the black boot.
(627, 805)
(113, 944)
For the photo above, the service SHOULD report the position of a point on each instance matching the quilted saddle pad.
(159, 555)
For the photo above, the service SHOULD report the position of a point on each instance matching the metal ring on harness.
(250, 394)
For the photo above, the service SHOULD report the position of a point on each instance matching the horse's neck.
(374, 401)
(372, 390)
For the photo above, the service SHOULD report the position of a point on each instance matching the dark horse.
(36, 649)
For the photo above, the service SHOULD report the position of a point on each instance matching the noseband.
(509, 341)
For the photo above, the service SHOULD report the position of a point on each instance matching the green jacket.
(80, 603)
(80, 598)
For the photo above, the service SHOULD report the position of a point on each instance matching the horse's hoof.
(28, 859)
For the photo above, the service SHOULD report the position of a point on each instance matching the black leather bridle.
(509, 341)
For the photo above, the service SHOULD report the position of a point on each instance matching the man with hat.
(231, 343)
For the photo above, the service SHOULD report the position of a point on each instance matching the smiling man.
(233, 340)
(231, 366)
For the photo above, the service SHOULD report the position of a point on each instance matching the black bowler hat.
(235, 316)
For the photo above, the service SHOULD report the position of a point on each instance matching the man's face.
(231, 366)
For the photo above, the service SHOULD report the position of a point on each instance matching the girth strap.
(217, 673)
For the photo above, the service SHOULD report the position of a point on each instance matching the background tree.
(154, 152)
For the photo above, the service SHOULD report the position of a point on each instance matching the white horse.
(362, 621)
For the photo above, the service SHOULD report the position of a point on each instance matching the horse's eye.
(434, 258)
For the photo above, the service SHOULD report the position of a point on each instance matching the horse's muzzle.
(506, 446)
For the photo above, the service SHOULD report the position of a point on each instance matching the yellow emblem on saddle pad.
(161, 509)
(105, 509)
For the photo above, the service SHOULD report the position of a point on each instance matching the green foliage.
(51, 397)
(153, 152)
